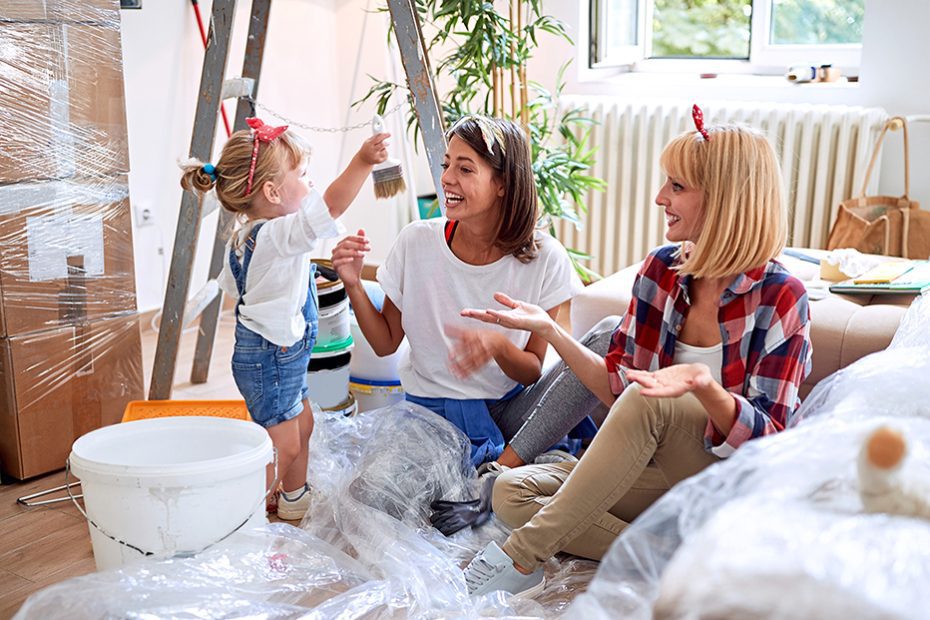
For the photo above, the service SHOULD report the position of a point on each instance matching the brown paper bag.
(890, 225)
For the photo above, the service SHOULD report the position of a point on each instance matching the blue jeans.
(271, 379)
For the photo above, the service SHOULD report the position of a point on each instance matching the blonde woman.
(709, 355)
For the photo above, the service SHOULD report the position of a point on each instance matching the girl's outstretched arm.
(341, 192)
(383, 330)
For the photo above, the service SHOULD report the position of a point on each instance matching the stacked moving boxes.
(70, 351)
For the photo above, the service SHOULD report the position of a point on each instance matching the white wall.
(310, 57)
(320, 52)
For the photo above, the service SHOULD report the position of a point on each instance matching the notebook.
(913, 279)
(885, 273)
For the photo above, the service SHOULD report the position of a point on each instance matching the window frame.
(765, 58)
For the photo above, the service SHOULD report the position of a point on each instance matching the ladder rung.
(234, 88)
(197, 303)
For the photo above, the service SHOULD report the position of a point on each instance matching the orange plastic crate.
(145, 409)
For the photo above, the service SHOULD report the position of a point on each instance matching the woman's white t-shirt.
(712, 356)
(279, 271)
(431, 286)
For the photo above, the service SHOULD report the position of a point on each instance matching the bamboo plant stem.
(514, 104)
(524, 90)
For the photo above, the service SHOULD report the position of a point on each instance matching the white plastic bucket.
(333, 324)
(366, 364)
(328, 374)
(375, 394)
(170, 486)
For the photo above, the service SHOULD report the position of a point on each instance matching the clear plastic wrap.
(69, 343)
(779, 530)
(365, 550)
(891, 382)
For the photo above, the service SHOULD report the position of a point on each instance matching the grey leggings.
(544, 412)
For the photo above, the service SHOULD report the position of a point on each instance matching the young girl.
(709, 355)
(439, 266)
(261, 176)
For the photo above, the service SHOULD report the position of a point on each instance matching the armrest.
(610, 295)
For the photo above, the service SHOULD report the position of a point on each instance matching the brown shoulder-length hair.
(745, 218)
(504, 146)
(231, 175)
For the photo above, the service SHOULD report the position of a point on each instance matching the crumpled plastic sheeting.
(892, 382)
(376, 480)
(366, 549)
(914, 330)
(273, 572)
(811, 470)
(801, 486)
(835, 566)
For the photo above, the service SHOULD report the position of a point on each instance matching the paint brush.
(388, 175)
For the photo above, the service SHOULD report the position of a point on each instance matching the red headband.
(260, 133)
(698, 116)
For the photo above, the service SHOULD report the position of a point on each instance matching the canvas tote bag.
(890, 225)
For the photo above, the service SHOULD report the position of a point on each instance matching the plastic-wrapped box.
(69, 337)
(62, 104)
(66, 253)
(58, 384)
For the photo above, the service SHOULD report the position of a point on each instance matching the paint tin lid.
(334, 348)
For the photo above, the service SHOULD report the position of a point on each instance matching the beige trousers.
(644, 447)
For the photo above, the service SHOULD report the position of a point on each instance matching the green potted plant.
(486, 52)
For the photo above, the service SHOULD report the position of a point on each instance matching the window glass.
(701, 28)
(620, 21)
(816, 22)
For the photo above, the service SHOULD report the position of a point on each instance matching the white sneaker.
(491, 468)
(293, 505)
(555, 456)
(493, 570)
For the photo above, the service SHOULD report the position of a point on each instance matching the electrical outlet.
(145, 216)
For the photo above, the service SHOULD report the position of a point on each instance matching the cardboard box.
(66, 253)
(60, 10)
(62, 104)
(59, 384)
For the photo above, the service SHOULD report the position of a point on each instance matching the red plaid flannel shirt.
(765, 330)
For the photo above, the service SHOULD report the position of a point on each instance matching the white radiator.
(823, 152)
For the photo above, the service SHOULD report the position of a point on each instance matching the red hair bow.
(260, 133)
(265, 133)
(698, 116)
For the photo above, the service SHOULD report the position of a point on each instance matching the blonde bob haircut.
(745, 219)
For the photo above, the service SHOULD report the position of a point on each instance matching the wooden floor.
(46, 544)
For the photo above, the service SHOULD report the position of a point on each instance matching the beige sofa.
(843, 328)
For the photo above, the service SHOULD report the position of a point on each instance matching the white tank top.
(712, 356)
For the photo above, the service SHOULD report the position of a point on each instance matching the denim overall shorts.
(271, 379)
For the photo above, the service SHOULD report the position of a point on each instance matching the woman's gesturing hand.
(349, 257)
(672, 381)
(519, 315)
(472, 349)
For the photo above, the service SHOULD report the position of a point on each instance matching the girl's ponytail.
(197, 176)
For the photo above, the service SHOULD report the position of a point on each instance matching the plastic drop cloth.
(778, 529)
(366, 549)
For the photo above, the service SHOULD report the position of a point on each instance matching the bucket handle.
(179, 554)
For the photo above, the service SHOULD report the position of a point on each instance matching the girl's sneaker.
(271, 504)
(293, 505)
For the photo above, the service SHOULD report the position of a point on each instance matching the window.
(762, 36)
